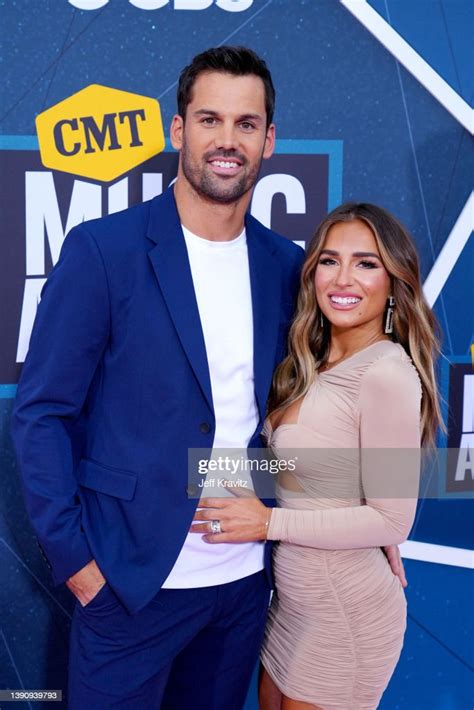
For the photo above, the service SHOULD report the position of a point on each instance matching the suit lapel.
(265, 282)
(170, 262)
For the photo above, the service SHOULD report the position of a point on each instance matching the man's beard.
(214, 187)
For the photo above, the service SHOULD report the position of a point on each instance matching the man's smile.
(225, 166)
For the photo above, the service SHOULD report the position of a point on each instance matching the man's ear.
(176, 132)
(269, 142)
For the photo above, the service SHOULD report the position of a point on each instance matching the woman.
(356, 397)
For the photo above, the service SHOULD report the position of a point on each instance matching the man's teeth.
(345, 300)
(225, 164)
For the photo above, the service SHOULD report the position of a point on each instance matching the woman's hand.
(241, 519)
(392, 553)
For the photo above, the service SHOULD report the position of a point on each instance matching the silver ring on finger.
(216, 527)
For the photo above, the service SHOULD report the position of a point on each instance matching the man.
(159, 330)
(148, 342)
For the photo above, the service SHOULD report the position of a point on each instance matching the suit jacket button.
(191, 490)
(204, 427)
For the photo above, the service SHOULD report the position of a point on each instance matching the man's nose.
(226, 138)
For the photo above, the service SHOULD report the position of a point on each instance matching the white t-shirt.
(221, 278)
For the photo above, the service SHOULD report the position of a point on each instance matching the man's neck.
(209, 220)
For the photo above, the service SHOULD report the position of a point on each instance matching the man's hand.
(395, 561)
(242, 519)
(86, 583)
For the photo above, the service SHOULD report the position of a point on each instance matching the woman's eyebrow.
(365, 253)
(332, 252)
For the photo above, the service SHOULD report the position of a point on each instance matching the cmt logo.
(100, 133)
(229, 5)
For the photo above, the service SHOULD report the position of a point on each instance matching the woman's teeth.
(344, 300)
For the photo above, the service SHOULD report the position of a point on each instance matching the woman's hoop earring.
(389, 317)
(321, 319)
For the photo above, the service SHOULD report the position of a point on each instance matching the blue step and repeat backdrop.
(372, 104)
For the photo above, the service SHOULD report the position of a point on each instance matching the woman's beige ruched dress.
(338, 615)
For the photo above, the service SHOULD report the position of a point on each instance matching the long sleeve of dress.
(389, 411)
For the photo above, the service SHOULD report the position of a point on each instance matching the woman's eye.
(327, 261)
(368, 264)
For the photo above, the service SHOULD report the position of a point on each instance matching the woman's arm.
(389, 409)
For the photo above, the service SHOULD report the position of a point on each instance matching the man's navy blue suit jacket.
(116, 387)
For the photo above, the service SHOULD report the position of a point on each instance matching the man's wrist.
(86, 583)
(267, 522)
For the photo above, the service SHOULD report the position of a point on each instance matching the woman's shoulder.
(390, 368)
(381, 358)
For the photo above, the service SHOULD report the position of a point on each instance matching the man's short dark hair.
(238, 61)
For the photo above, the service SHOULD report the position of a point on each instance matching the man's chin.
(224, 195)
(224, 199)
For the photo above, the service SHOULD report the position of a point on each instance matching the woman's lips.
(344, 302)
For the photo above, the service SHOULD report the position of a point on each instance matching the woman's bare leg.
(269, 696)
(289, 704)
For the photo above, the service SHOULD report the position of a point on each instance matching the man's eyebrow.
(251, 117)
(205, 112)
(357, 254)
(243, 117)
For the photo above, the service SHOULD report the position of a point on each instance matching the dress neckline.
(298, 417)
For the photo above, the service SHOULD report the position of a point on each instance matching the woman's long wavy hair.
(414, 324)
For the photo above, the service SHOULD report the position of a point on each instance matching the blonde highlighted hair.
(414, 324)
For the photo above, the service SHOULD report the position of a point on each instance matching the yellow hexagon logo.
(100, 133)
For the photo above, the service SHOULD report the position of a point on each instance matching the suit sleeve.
(389, 410)
(298, 265)
(70, 333)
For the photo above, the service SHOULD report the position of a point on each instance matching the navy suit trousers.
(188, 649)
